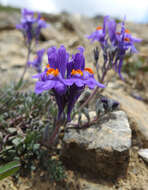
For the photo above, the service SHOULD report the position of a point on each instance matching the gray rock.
(102, 149)
(8, 21)
(144, 154)
(89, 185)
(136, 110)
(51, 33)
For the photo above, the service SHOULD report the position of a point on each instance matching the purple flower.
(58, 59)
(36, 63)
(67, 79)
(31, 25)
(73, 95)
(125, 42)
(78, 77)
(40, 24)
(100, 33)
(114, 44)
(27, 15)
(53, 76)
(112, 31)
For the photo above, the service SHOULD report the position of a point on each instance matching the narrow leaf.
(9, 169)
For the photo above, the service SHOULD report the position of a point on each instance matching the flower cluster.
(31, 25)
(36, 63)
(66, 77)
(114, 43)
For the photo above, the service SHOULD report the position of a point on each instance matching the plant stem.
(55, 132)
(89, 98)
(26, 66)
(95, 91)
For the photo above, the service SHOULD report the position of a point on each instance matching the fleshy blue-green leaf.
(9, 169)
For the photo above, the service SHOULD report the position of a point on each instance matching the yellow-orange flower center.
(52, 71)
(118, 33)
(75, 72)
(89, 70)
(127, 31)
(47, 66)
(99, 28)
(127, 39)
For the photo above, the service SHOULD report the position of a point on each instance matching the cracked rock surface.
(101, 149)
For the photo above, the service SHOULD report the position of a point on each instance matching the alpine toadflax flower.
(124, 42)
(66, 78)
(77, 78)
(114, 43)
(53, 76)
(31, 24)
(36, 63)
(100, 33)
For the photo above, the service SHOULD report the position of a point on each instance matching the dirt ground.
(136, 179)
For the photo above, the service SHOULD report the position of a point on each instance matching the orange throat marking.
(127, 31)
(127, 39)
(52, 71)
(118, 33)
(75, 72)
(89, 70)
(99, 28)
(47, 66)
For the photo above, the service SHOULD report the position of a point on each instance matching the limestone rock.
(144, 154)
(87, 185)
(8, 21)
(102, 149)
(136, 110)
(51, 33)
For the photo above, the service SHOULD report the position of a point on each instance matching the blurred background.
(134, 10)
(70, 21)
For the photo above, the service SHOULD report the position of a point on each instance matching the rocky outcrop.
(102, 149)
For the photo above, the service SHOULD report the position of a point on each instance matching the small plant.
(114, 44)
(30, 26)
(67, 78)
(23, 121)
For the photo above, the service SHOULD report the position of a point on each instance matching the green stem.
(26, 64)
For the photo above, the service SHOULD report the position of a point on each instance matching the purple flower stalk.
(31, 24)
(123, 42)
(114, 44)
(66, 78)
(36, 63)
